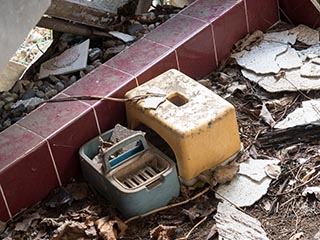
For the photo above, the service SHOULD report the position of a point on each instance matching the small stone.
(30, 93)
(94, 53)
(17, 88)
(59, 86)
(151, 27)
(7, 107)
(40, 94)
(51, 93)
(96, 63)
(39, 83)
(17, 112)
(134, 29)
(2, 103)
(54, 79)
(82, 74)
(9, 99)
(73, 79)
(15, 119)
(89, 68)
(7, 123)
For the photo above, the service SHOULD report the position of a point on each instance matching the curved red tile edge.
(46, 142)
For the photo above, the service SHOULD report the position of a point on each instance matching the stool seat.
(199, 126)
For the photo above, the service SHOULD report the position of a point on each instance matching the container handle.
(137, 137)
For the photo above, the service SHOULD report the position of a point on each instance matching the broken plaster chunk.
(251, 183)
(234, 224)
(71, 60)
(316, 60)
(307, 114)
(310, 70)
(122, 36)
(255, 168)
(292, 81)
(284, 37)
(261, 59)
(289, 59)
(249, 41)
(243, 191)
(306, 34)
(311, 52)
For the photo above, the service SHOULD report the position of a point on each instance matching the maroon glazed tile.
(262, 14)
(138, 56)
(99, 82)
(292, 10)
(208, 10)
(29, 179)
(196, 57)
(228, 29)
(16, 142)
(176, 30)
(4, 215)
(166, 63)
(66, 142)
(109, 114)
(50, 117)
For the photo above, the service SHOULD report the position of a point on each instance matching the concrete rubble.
(251, 182)
(234, 224)
(273, 63)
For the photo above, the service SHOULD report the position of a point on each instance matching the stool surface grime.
(199, 125)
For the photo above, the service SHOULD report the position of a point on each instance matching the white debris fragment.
(292, 81)
(249, 185)
(298, 236)
(316, 60)
(306, 34)
(273, 171)
(255, 168)
(289, 59)
(249, 41)
(261, 59)
(71, 60)
(284, 37)
(312, 190)
(236, 86)
(234, 224)
(266, 116)
(153, 102)
(122, 36)
(31, 102)
(308, 113)
(310, 69)
(311, 52)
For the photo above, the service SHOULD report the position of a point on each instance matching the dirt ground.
(283, 211)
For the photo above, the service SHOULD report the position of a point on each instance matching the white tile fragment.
(311, 52)
(234, 224)
(71, 60)
(122, 36)
(289, 59)
(306, 34)
(316, 60)
(310, 70)
(308, 113)
(249, 185)
(283, 37)
(261, 58)
(292, 81)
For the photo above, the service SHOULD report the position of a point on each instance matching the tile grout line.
(278, 4)
(54, 163)
(247, 17)
(5, 202)
(214, 46)
(97, 120)
(177, 59)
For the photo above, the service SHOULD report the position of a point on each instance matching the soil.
(292, 212)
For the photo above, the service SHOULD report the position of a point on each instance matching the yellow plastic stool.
(199, 126)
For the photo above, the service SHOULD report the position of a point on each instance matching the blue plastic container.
(137, 181)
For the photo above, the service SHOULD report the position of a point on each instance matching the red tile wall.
(41, 151)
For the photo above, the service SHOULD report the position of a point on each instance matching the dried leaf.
(266, 116)
(71, 230)
(226, 173)
(26, 223)
(77, 190)
(110, 229)
(199, 211)
(162, 232)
